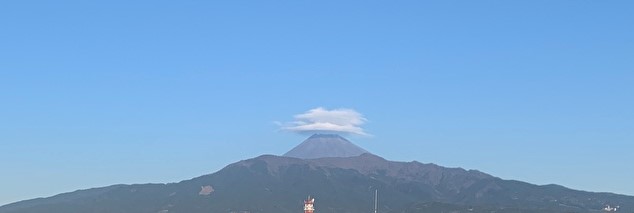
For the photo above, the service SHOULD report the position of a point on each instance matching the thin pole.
(376, 199)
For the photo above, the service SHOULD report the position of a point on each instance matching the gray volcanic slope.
(325, 145)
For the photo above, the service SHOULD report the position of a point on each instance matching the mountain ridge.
(270, 183)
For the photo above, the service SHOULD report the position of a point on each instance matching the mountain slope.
(278, 184)
(325, 145)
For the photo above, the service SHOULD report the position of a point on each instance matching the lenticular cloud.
(324, 120)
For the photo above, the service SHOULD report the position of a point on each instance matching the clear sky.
(99, 93)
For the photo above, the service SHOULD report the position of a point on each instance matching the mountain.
(268, 184)
(325, 145)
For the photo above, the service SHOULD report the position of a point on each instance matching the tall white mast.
(376, 199)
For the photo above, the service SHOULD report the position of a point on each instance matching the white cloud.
(324, 120)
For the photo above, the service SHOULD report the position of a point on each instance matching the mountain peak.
(325, 145)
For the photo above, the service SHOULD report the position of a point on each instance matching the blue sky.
(100, 93)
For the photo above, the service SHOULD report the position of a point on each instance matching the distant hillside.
(273, 184)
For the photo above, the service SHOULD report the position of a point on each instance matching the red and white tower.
(308, 205)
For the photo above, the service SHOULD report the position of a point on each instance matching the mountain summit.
(325, 145)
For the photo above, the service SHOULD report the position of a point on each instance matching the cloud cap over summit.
(322, 120)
